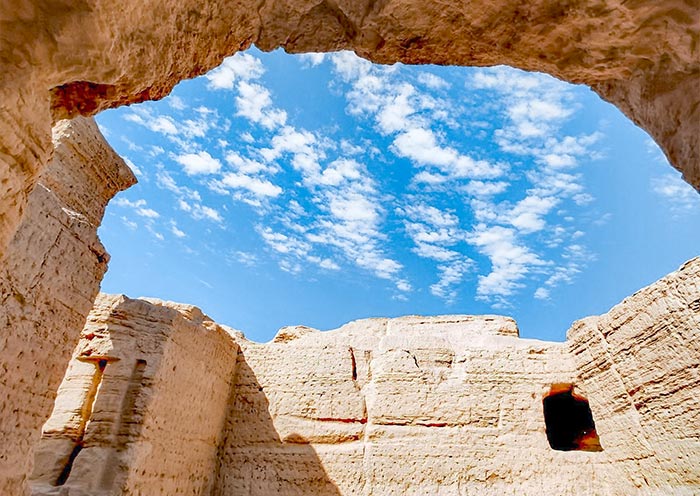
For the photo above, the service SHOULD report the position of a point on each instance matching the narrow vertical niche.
(85, 414)
(569, 420)
(130, 421)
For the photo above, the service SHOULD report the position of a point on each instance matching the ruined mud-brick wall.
(142, 407)
(640, 366)
(443, 406)
(49, 275)
(413, 406)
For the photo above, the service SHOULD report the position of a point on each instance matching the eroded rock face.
(446, 405)
(142, 407)
(49, 277)
(415, 406)
(57, 61)
(640, 366)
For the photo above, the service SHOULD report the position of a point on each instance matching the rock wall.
(449, 405)
(150, 421)
(49, 276)
(58, 60)
(413, 406)
(640, 365)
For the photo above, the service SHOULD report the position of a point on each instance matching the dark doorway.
(569, 420)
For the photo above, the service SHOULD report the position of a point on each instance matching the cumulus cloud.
(198, 163)
(318, 202)
(162, 124)
(255, 104)
(676, 193)
(312, 59)
(240, 67)
(258, 187)
(435, 233)
(399, 109)
(450, 275)
(574, 260)
(176, 231)
(432, 81)
(510, 261)
(139, 207)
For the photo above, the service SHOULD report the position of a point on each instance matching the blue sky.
(319, 189)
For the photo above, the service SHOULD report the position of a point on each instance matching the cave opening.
(569, 421)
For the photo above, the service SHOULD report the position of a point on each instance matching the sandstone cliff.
(448, 405)
(56, 61)
(49, 278)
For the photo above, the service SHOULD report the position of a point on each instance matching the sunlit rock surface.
(447, 405)
(58, 61)
(49, 277)
(638, 365)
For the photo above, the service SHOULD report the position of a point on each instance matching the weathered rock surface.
(415, 406)
(640, 366)
(142, 407)
(642, 56)
(49, 277)
(449, 405)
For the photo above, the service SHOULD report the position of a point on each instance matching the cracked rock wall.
(414, 406)
(640, 365)
(156, 418)
(58, 60)
(49, 276)
(445, 406)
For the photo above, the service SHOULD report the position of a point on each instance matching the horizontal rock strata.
(642, 56)
(49, 277)
(447, 405)
(142, 407)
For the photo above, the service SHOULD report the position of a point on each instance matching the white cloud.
(485, 189)
(139, 207)
(198, 163)
(177, 232)
(204, 212)
(318, 203)
(162, 124)
(254, 103)
(147, 212)
(527, 215)
(247, 165)
(305, 149)
(542, 294)
(125, 202)
(328, 264)
(188, 200)
(134, 168)
(575, 258)
(399, 109)
(394, 113)
(353, 208)
(129, 223)
(240, 67)
(451, 275)
(258, 187)
(680, 196)
(283, 243)
(434, 233)
(432, 81)
(510, 260)
(312, 59)
(176, 102)
(420, 145)
(349, 66)
(246, 258)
